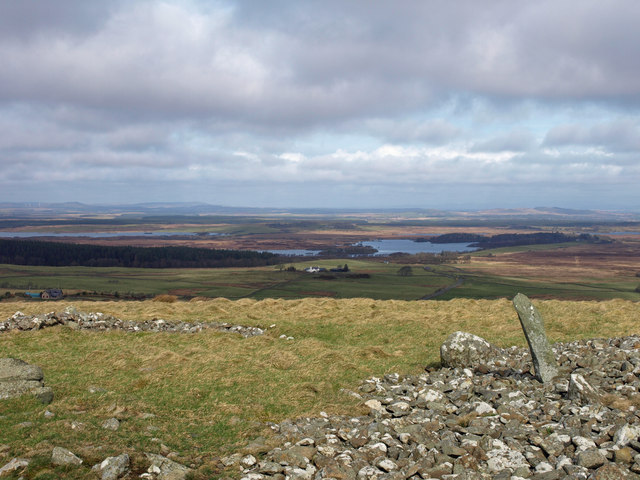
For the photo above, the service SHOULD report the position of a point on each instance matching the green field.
(262, 282)
(383, 282)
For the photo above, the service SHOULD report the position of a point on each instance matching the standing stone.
(544, 361)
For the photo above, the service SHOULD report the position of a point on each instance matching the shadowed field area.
(210, 393)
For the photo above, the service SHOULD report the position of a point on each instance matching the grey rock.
(15, 369)
(18, 378)
(165, 468)
(101, 322)
(14, 465)
(544, 361)
(462, 349)
(591, 459)
(112, 468)
(62, 456)
(626, 434)
(581, 391)
(111, 424)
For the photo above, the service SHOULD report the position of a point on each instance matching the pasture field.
(210, 394)
(383, 281)
(561, 271)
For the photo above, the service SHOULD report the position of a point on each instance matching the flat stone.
(111, 424)
(544, 361)
(18, 378)
(62, 456)
(165, 468)
(591, 459)
(609, 472)
(112, 468)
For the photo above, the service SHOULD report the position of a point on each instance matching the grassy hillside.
(211, 392)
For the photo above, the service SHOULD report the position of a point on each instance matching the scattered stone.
(544, 361)
(111, 424)
(591, 459)
(166, 469)
(101, 322)
(462, 349)
(14, 465)
(112, 468)
(18, 378)
(500, 424)
(580, 390)
(62, 456)
(626, 434)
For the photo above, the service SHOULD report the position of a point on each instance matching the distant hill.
(138, 210)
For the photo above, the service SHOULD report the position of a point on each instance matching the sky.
(331, 103)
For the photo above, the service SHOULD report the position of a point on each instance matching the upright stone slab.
(544, 361)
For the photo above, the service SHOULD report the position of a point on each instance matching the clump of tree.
(55, 254)
(512, 239)
(348, 251)
(425, 258)
(405, 271)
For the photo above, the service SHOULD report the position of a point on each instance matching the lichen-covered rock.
(581, 391)
(18, 378)
(14, 465)
(165, 468)
(462, 349)
(544, 361)
(112, 468)
(62, 456)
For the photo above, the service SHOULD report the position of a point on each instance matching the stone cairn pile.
(101, 322)
(549, 413)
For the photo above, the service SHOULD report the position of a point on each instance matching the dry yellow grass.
(165, 298)
(385, 321)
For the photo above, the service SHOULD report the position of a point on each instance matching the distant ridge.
(42, 209)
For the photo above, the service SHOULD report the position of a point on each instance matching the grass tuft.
(165, 298)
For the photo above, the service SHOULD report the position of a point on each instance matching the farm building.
(51, 294)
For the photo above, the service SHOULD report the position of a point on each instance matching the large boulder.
(18, 378)
(466, 350)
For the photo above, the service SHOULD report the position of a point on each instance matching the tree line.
(511, 239)
(54, 254)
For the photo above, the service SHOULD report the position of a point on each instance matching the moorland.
(601, 262)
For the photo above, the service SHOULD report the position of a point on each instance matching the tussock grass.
(211, 392)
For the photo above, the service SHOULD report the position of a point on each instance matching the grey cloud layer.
(361, 92)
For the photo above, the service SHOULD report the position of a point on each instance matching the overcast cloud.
(322, 103)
